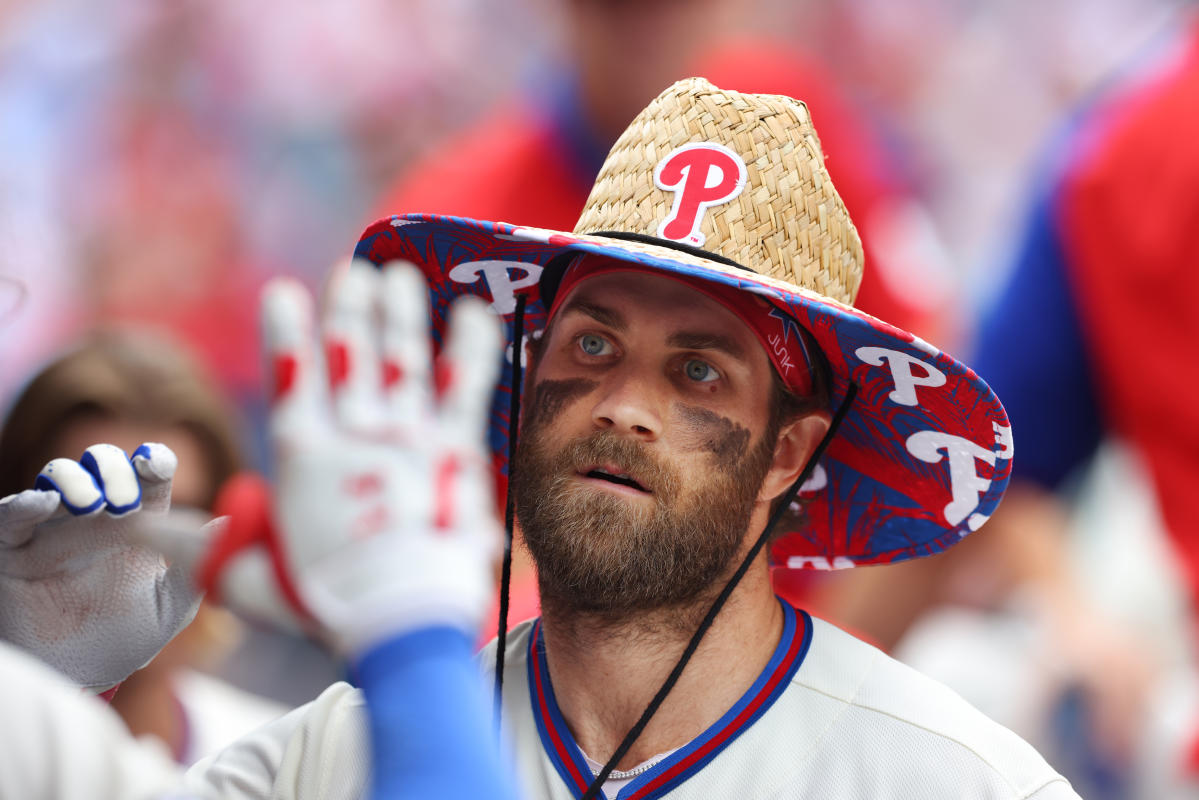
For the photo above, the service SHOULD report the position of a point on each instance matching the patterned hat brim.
(922, 457)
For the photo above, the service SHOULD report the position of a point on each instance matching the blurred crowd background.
(157, 160)
(160, 159)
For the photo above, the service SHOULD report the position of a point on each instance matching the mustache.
(631, 456)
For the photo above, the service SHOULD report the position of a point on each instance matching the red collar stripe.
(550, 724)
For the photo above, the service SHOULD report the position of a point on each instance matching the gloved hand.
(74, 590)
(383, 512)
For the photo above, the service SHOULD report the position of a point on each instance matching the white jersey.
(829, 717)
(57, 743)
(319, 751)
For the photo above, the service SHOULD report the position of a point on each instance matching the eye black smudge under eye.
(550, 397)
(707, 430)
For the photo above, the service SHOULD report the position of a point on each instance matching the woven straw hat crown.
(787, 222)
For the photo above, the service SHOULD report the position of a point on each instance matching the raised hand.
(75, 590)
(384, 519)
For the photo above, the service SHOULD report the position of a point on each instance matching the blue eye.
(701, 371)
(593, 345)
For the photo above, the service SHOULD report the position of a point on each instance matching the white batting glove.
(75, 591)
(383, 505)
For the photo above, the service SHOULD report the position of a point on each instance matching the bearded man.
(702, 401)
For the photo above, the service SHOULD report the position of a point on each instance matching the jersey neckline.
(689, 759)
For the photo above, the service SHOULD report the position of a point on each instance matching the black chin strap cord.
(501, 636)
(676, 673)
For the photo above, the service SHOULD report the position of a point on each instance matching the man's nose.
(629, 404)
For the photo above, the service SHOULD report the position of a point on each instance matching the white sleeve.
(57, 743)
(319, 750)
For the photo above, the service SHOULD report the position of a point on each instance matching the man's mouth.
(616, 477)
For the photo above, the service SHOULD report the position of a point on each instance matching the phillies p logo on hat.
(700, 175)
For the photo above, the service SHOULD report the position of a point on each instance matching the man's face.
(643, 447)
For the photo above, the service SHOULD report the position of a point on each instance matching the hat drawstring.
(501, 643)
(672, 679)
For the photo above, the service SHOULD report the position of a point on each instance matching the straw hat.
(731, 189)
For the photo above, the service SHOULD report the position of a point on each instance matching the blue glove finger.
(80, 491)
(116, 477)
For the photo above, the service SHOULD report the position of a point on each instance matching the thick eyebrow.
(687, 340)
(684, 340)
(601, 314)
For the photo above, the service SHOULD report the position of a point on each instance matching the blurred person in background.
(534, 157)
(1088, 341)
(160, 242)
(973, 89)
(125, 388)
(1091, 338)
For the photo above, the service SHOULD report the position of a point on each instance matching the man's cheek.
(550, 397)
(703, 429)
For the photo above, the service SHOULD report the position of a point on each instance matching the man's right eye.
(593, 345)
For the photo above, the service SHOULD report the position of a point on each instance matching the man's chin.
(624, 606)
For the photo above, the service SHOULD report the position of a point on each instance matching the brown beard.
(602, 555)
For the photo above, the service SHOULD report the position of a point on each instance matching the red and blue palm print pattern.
(922, 457)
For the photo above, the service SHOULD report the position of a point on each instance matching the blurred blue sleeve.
(1032, 353)
(431, 726)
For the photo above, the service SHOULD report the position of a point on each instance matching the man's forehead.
(619, 298)
(682, 317)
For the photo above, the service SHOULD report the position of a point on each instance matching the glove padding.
(75, 590)
(383, 507)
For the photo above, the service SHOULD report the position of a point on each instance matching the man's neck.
(605, 672)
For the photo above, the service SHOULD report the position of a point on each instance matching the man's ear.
(533, 346)
(796, 443)
(531, 355)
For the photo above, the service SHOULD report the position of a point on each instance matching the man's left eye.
(593, 345)
(698, 370)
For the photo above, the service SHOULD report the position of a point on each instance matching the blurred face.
(643, 447)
